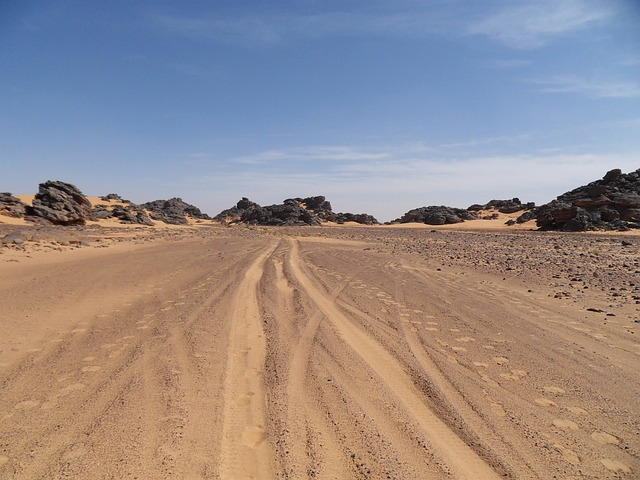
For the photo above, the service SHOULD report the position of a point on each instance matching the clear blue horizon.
(381, 106)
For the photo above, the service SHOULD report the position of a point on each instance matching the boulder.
(60, 203)
(11, 206)
(16, 238)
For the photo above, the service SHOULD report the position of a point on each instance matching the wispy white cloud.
(272, 28)
(511, 63)
(238, 30)
(389, 181)
(533, 24)
(312, 154)
(526, 25)
(591, 87)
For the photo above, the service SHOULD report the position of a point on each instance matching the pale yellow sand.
(237, 353)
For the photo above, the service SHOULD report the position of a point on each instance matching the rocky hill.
(612, 203)
(436, 215)
(292, 212)
(60, 203)
(174, 211)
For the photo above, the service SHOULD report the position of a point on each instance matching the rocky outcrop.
(436, 215)
(292, 212)
(174, 211)
(361, 218)
(503, 206)
(11, 206)
(234, 213)
(131, 214)
(612, 203)
(114, 197)
(288, 214)
(60, 203)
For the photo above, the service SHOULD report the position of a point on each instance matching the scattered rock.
(16, 238)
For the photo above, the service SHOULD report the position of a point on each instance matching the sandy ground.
(338, 353)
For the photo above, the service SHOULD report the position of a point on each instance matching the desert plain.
(320, 352)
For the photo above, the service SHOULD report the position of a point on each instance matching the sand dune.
(315, 353)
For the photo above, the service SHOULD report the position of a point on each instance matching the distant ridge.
(612, 203)
(292, 212)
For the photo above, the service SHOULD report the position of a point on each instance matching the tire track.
(301, 415)
(462, 460)
(245, 450)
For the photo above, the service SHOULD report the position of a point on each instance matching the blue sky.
(381, 106)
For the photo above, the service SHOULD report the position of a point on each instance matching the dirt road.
(276, 356)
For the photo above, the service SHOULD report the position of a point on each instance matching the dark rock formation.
(234, 213)
(174, 211)
(612, 203)
(436, 215)
(114, 197)
(133, 214)
(292, 212)
(362, 218)
(11, 206)
(100, 212)
(60, 203)
(503, 206)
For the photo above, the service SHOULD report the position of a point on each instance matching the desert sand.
(329, 352)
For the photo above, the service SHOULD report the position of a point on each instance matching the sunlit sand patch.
(27, 405)
(565, 424)
(569, 455)
(253, 436)
(498, 410)
(552, 389)
(488, 380)
(615, 465)
(605, 438)
(91, 368)
(578, 410)
(465, 339)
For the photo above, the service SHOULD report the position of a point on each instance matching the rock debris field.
(318, 352)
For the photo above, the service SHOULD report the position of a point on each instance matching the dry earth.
(321, 353)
